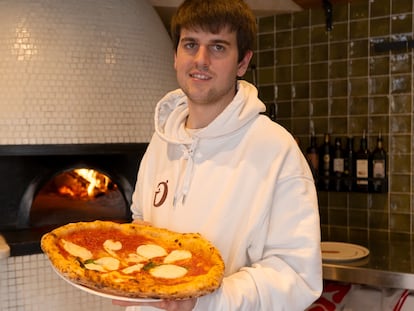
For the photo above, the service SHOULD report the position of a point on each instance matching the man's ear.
(244, 64)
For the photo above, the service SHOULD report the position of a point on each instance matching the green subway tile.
(301, 36)
(318, 17)
(283, 74)
(340, 13)
(300, 108)
(300, 72)
(301, 90)
(380, 27)
(286, 123)
(400, 7)
(339, 50)
(339, 106)
(266, 24)
(400, 124)
(320, 108)
(337, 233)
(284, 109)
(266, 41)
(400, 84)
(379, 85)
(399, 183)
(400, 163)
(284, 91)
(319, 52)
(379, 65)
(358, 105)
(380, 8)
(358, 218)
(400, 63)
(338, 69)
(320, 124)
(378, 220)
(338, 217)
(319, 34)
(339, 88)
(266, 59)
(401, 24)
(319, 89)
(378, 124)
(301, 19)
(358, 235)
(358, 67)
(400, 222)
(265, 75)
(339, 32)
(300, 126)
(283, 22)
(378, 105)
(358, 48)
(357, 125)
(266, 93)
(358, 29)
(339, 125)
(283, 39)
(358, 201)
(400, 143)
(400, 203)
(401, 103)
(319, 71)
(358, 86)
(359, 9)
(379, 202)
(301, 55)
(283, 57)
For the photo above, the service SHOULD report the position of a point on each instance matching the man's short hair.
(215, 15)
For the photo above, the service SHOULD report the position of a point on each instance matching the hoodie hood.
(170, 117)
(172, 110)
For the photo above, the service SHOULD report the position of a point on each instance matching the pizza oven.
(45, 186)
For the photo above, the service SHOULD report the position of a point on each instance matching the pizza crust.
(205, 265)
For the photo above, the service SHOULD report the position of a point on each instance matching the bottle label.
(378, 170)
(338, 165)
(362, 171)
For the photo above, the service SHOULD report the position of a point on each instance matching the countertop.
(389, 264)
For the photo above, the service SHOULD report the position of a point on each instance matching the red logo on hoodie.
(161, 193)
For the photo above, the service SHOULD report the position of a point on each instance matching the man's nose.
(202, 57)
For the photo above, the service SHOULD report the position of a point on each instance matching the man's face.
(207, 66)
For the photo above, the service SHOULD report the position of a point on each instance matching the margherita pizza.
(135, 261)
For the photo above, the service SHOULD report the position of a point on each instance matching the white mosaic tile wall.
(28, 283)
(81, 71)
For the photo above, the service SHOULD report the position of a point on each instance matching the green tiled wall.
(336, 82)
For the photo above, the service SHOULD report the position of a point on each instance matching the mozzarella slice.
(151, 251)
(108, 263)
(176, 255)
(111, 246)
(76, 250)
(136, 258)
(95, 267)
(168, 271)
(133, 268)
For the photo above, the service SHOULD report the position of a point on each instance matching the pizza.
(134, 260)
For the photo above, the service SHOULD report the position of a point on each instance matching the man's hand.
(169, 305)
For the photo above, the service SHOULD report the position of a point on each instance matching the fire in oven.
(45, 186)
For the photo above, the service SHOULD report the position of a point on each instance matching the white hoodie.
(243, 183)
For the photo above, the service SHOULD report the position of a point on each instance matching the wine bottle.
(338, 165)
(362, 165)
(325, 163)
(379, 165)
(349, 164)
(312, 157)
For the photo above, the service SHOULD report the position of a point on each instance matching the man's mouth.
(199, 76)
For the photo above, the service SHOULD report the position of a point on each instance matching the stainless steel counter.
(389, 264)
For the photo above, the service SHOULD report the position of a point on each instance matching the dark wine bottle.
(325, 163)
(312, 157)
(338, 165)
(362, 165)
(379, 166)
(349, 164)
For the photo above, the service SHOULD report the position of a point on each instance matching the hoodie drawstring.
(184, 185)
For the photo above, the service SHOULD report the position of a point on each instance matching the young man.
(217, 166)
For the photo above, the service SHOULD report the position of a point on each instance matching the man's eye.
(218, 48)
(190, 45)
